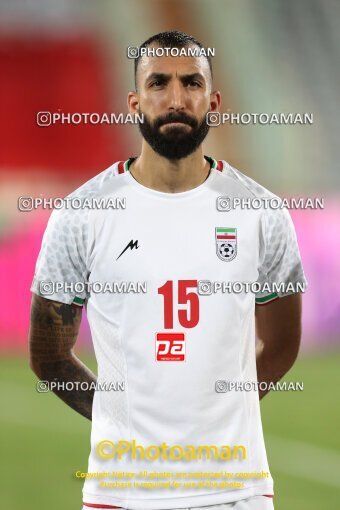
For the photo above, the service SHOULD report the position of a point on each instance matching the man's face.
(174, 97)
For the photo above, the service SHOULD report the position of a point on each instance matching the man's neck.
(169, 176)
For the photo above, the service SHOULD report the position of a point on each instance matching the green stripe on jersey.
(78, 301)
(212, 161)
(266, 299)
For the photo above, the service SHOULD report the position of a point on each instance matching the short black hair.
(171, 39)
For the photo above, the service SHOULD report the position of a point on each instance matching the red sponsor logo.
(170, 347)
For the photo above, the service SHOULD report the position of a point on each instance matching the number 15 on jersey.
(170, 346)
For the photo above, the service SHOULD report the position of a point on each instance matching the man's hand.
(53, 333)
(278, 327)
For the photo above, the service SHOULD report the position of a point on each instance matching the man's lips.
(176, 123)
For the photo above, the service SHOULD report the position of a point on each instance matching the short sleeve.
(61, 273)
(280, 268)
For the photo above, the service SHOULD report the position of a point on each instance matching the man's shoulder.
(250, 187)
(79, 203)
(98, 184)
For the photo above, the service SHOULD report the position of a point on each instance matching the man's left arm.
(278, 327)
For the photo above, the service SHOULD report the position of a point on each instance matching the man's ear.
(215, 101)
(133, 103)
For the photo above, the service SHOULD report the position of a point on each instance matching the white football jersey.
(169, 326)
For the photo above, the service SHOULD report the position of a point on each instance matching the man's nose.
(176, 96)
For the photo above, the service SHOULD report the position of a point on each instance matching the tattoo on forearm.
(71, 370)
(53, 333)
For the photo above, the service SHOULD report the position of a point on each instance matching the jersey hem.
(181, 502)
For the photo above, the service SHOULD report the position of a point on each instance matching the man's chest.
(168, 267)
(159, 241)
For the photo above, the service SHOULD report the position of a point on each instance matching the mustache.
(175, 117)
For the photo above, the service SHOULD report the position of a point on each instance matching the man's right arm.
(53, 333)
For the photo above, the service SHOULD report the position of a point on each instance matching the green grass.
(301, 430)
(44, 442)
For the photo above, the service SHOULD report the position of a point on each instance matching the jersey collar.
(124, 166)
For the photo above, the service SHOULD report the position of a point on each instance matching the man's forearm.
(53, 333)
(272, 364)
(278, 327)
(74, 371)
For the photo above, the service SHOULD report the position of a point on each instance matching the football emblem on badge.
(226, 243)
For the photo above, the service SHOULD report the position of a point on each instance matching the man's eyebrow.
(183, 77)
(158, 76)
(192, 76)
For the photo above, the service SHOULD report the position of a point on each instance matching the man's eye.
(156, 83)
(194, 84)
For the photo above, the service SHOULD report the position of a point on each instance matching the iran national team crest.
(226, 243)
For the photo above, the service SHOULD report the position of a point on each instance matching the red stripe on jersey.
(120, 171)
(75, 305)
(94, 505)
(226, 237)
(219, 166)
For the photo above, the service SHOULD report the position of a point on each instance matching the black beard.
(176, 143)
